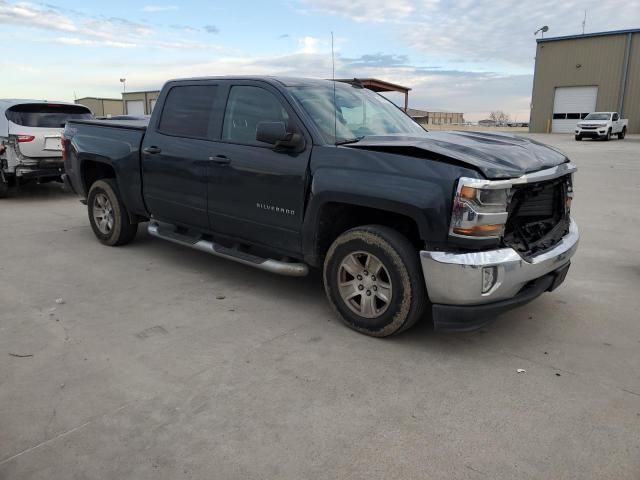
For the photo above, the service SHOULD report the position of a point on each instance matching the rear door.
(256, 192)
(38, 126)
(176, 151)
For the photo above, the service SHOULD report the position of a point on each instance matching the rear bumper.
(455, 281)
(35, 172)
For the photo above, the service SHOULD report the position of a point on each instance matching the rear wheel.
(108, 216)
(623, 133)
(373, 280)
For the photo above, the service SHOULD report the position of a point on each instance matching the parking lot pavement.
(166, 363)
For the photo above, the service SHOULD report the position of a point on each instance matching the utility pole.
(584, 21)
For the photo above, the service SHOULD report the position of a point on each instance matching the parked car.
(30, 131)
(265, 172)
(602, 125)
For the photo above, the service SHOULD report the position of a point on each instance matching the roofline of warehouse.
(589, 35)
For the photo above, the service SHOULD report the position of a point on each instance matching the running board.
(268, 264)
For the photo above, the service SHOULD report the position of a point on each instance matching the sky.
(470, 56)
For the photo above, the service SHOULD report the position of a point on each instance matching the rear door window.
(46, 115)
(188, 111)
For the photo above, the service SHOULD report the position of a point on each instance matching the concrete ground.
(166, 363)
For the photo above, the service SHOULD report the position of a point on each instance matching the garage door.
(135, 107)
(570, 104)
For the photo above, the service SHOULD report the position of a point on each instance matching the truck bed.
(107, 144)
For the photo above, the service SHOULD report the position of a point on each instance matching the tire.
(622, 134)
(4, 189)
(578, 138)
(607, 137)
(108, 216)
(399, 279)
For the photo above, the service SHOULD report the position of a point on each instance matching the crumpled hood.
(495, 155)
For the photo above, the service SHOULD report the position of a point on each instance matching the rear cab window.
(188, 111)
(46, 115)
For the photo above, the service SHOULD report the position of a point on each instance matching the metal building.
(579, 74)
(102, 107)
(428, 118)
(140, 103)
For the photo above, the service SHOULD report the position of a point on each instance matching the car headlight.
(479, 208)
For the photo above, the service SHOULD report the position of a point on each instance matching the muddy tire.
(108, 216)
(373, 280)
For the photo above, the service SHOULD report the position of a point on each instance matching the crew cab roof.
(276, 80)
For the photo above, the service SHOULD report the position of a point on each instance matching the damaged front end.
(538, 215)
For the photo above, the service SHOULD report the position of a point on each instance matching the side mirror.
(275, 133)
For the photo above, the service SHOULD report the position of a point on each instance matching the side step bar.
(268, 264)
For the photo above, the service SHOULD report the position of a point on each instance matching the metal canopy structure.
(380, 86)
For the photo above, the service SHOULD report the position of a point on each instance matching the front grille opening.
(538, 216)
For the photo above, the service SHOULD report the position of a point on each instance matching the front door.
(256, 192)
(176, 152)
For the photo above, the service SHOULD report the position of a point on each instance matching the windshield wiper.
(350, 140)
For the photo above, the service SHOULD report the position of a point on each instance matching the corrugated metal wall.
(596, 61)
(632, 95)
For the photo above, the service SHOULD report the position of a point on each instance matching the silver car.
(31, 130)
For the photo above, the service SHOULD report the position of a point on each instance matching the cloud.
(25, 15)
(159, 8)
(362, 10)
(377, 60)
(92, 43)
(308, 44)
(96, 31)
(211, 29)
(485, 31)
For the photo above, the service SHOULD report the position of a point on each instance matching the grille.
(538, 216)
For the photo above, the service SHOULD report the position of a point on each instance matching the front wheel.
(607, 137)
(373, 280)
(108, 215)
(622, 134)
(578, 138)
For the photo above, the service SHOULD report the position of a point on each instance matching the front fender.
(426, 201)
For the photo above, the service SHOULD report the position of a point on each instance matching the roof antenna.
(335, 106)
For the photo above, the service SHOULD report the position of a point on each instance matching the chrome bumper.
(456, 278)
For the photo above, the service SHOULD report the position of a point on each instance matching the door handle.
(152, 150)
(220, 160)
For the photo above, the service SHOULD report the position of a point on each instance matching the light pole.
(123, 81)
(542, 30)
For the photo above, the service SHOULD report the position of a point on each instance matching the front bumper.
(591, 133)
(455, 280)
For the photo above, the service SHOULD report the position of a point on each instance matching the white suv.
(31, 130)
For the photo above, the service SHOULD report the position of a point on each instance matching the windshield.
(46, 115)
(360, 112)
(598, 116)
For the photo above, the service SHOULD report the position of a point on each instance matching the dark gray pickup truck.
(284, 174)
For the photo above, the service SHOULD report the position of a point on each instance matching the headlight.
(479, 208)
